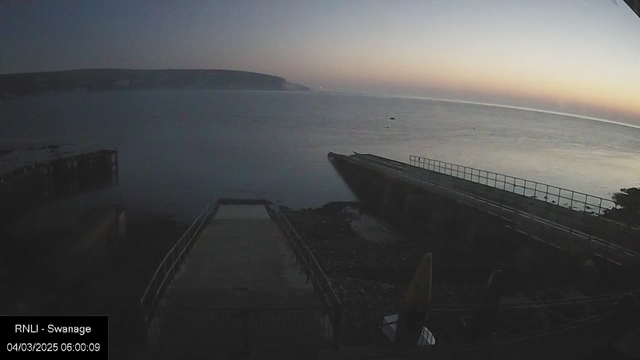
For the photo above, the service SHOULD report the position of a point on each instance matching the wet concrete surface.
(240, 281)
(241, 260)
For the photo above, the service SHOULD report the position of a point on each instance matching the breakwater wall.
(466, 239)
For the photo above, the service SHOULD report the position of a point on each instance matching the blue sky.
(564, 55)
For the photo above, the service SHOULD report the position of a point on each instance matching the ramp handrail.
(321, 284)
(309, 263)
(171, 263)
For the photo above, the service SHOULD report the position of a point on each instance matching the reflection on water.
(180, 150)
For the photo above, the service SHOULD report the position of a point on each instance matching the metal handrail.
(171, 262)
(575, 200)
(38, 164)
(592, 206)
(309, 263)
(310, 266)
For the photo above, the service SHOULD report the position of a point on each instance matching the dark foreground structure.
(38, 246)
(225, 278)
(440, 192)
(26, 187)
(242, 283)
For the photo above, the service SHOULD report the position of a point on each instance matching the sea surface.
(179, 150)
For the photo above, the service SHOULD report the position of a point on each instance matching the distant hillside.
(13, 85)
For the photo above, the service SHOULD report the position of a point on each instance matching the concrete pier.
(29, 186)
(474, 216)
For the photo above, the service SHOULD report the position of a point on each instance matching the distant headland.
(89, 80)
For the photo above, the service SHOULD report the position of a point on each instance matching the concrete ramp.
(396, 187)
(242, 212)
(239, 288)
(241, 260)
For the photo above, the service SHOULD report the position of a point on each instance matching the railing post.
(174, 258)
(600, 207)
(337, 325)
(571, 204)
(164, 268)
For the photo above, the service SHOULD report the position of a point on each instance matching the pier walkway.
(532, 208)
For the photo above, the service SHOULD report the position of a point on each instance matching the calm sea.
(180, 150)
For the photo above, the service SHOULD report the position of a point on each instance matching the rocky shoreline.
(370, 273)
(371, 276)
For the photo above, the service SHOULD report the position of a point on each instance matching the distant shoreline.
(97, 80)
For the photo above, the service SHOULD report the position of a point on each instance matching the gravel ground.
(370, 276)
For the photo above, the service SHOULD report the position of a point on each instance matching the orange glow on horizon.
(511, 80)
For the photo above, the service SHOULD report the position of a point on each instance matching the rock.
(351, 211)
(369, 277)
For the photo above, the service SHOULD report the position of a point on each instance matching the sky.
(578, 56)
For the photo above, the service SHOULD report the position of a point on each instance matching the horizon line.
(586, 117)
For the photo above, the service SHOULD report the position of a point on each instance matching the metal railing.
(555, 225)
(241, 329)
(42, 166)
(321, 285)
(574, 200)
(170, 265)
(42, 155)
(562, 209)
